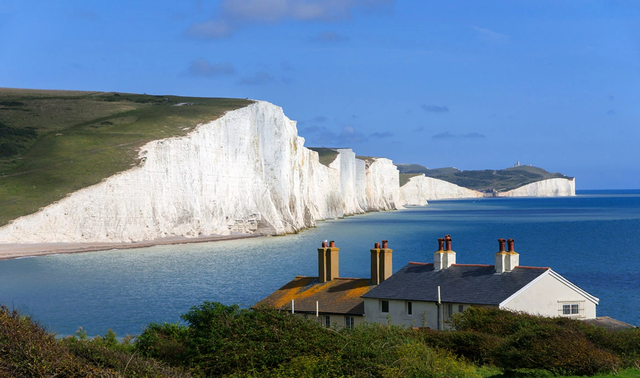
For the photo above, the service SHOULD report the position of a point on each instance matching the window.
(409, 308)
(570, 309)
(384, 306)
(460, 308)
(349, 321)
(327, 321)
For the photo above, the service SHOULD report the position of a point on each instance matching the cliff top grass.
(53, 143)
(501, 180)
(326, 155)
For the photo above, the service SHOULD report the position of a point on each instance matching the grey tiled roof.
(473, 284)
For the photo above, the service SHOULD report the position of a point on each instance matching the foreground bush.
(27, 350)
(558, 345)
(559, 350)
(224, 340)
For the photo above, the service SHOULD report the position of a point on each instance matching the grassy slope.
(500, 180)
(326, 155)
(84, 137)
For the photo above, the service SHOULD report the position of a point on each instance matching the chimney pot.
(384, 243)
(324, 244)
(447, 238)
(501, 244)
(444, 257)
(377, 246)
(510, 243)
(332, 244)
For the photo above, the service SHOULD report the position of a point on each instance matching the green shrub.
(27, 350)
(623, 343)
(225, 340)
(558, 349)
(494, 321)
(165, 342)
(474, 346)
(375, 350)
(104, 354)
(415, 359)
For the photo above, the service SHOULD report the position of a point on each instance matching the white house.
(428, 294)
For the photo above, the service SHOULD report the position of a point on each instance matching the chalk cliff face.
(245, 172)
(557, 187)
(421, 189)
(383, 183)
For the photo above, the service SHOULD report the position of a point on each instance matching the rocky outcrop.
(556, 187)
(246, 172)
(421, 189)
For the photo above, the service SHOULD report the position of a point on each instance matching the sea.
(592, 239)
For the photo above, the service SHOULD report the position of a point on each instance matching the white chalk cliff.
(245, 172)
(421, 189)
(556, 187)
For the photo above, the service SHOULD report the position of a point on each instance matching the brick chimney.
(375, 264)
(506, 260)
(328, 262)
(444, 257)
(386, 262)
(501, 257)
(381, 262)
(513, 258)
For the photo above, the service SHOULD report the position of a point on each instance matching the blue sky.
(471, 84)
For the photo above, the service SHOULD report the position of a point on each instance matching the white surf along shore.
(247, 172)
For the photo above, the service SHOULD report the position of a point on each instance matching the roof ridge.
(351, 278)
(419, 263)
(532, 267)
(482, 265)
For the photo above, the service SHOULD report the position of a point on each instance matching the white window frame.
(349, 321)
(327, 321)
(382, 306)
(571, 309)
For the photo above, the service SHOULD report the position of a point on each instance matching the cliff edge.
(246, 172)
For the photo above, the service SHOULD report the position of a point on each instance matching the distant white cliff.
(246, 172)
(421, 189)
(556, 187)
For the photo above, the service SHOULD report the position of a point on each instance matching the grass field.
(326, 155)
(501, 180)
(53, 143)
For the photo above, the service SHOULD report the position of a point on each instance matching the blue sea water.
(592, 239)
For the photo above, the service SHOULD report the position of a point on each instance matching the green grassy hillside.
(326, 155)
(55, 142)
(500, 180)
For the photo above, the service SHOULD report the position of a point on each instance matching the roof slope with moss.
(338, 296)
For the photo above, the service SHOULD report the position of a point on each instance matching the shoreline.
(9, 251)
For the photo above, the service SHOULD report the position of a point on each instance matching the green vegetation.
(488, 180)
(55, 142)
(226, 341)
(27, 350)
(327, 155)
(405, 177)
